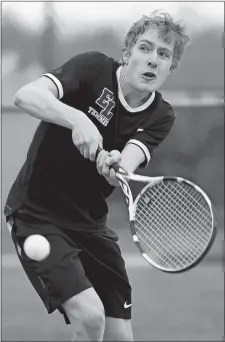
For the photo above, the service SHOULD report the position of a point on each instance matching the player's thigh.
(85, 306)
(117, 329)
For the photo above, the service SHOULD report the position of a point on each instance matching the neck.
(134, 97)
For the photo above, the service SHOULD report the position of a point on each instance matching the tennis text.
(98, 116)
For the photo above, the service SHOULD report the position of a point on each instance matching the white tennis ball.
(36, 247)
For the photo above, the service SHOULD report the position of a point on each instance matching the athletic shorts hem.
(67, 296)
(127, 316)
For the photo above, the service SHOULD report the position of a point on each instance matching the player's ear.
(171, 71)
(126, 55)
(173, 68)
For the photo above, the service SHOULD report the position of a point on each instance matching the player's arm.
(132, 157)
(39, 99)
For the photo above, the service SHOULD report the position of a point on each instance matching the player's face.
(148, 62)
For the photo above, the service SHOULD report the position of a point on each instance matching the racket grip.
(116, 167)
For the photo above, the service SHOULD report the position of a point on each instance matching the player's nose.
(153, 60)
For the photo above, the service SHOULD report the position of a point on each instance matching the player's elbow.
(29, 98)
(21, 97)
(17, 99)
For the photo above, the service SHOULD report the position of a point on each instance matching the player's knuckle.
(85, 143)
(92, 156)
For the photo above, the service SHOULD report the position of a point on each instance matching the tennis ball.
(36, 247)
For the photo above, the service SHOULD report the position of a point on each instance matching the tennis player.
(92, 101)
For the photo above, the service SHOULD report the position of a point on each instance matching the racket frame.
(123, 176)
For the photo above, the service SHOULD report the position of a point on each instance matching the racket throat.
(128, 196)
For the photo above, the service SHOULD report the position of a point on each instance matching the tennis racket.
(172, 220)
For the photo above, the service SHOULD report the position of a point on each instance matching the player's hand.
(104, 162)
(86, 137)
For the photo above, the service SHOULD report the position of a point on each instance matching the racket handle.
(116, 167)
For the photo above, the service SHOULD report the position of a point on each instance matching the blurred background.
(38, 37)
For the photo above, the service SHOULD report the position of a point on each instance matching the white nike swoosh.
(127, 305)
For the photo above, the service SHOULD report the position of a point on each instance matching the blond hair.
(168, 29)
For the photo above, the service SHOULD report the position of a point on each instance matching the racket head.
(174, 224)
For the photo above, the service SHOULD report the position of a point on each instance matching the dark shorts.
(78, 261)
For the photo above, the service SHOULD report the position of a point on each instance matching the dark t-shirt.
(56, 183)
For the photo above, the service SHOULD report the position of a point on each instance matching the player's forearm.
(43, 105)
(132, 157)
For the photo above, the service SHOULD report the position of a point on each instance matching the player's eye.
(165, 54)
(144, 47)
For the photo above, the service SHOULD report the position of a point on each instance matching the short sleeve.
(150, 137)
(70, 76)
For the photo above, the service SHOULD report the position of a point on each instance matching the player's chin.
(149, 87)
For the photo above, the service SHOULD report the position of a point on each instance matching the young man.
(89, 102)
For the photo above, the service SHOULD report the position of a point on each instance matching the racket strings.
(173, 232)
(186, 205)
(159, 248)
(167, 205)
(175, 227)
(191, 193)
(168, 249)
(198, 213)
(173, 200)
(183, 216)
(194, 214)
(173, 249)
(169, 220)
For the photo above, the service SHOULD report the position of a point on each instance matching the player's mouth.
(149, 76)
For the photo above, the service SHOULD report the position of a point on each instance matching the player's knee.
(89, 318)
(86, 310)
(94, 319)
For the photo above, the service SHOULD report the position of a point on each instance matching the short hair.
(168, 30)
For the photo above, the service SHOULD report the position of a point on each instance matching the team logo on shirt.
(107, 103)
